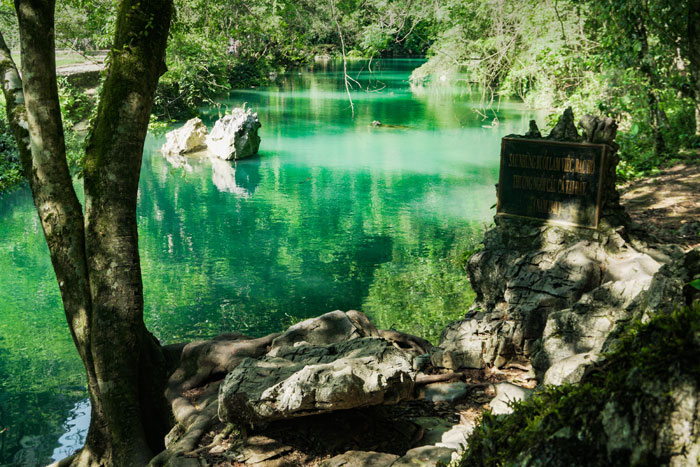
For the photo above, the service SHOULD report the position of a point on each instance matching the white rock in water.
(188, 138)
(235, 136)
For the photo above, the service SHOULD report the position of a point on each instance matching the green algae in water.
(333, 214)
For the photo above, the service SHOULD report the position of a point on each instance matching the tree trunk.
(96, 257)
(35, 117)
(656, 122)
(697, 111)
(693, 52)
(656, 115)
(121, 343)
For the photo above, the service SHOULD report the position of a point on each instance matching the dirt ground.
(667, 204)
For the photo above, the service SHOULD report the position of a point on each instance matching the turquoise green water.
(333, 214)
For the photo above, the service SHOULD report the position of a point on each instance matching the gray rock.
(456, 437)
(425, 456)
(646, 430)
(421, 361)
(598, 130)
(533, 131)
(441, 433)
(330, 328)
(190, 137)
(450, 392)
(235, 136)
(304, 380)
(361, 459)
(546, 293)
(569, 369)
(565, 129)
(506, 394)
(259, 450)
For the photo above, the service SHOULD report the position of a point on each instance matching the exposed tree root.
(428, 379)
(406, 342)
(66, 462)
(194, 385)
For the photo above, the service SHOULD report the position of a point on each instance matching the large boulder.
(305, 380)
(190, 137)
(235, 136)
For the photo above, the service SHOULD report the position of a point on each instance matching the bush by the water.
(10, 168)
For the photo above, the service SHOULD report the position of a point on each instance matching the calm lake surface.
(333, 214)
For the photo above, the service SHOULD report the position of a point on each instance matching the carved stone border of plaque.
(567, 176)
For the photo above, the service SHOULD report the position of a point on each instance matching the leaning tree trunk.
(693, 53)
(95, 257)
(35, 119)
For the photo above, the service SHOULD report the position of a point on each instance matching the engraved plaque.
(551, 180)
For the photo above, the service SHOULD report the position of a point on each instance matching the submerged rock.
(235, 136)
(191, 137)
(306, 380)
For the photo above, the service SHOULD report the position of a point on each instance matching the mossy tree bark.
(95, 255)
(694, 55)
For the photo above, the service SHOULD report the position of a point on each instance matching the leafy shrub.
(10, 168)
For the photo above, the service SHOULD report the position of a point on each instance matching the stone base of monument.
(552, 297)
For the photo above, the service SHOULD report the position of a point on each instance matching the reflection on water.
(331, 211)
(225, 178)
(76, 427)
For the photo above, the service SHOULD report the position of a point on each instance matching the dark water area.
(318, 221)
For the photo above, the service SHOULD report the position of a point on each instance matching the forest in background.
(635, 61)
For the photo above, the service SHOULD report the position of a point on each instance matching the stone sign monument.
(551, 180)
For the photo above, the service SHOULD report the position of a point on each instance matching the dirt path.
(668, 204)
(92, 63)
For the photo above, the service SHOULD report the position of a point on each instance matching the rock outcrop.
(334, 381)
(551, 298)
(191, 137)
(305, 379)
(235, 136)
(639, 405)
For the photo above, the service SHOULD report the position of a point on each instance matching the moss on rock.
(638, 406)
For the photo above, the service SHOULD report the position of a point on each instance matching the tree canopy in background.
(636, 61)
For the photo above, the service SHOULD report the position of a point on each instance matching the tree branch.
(345, 60)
